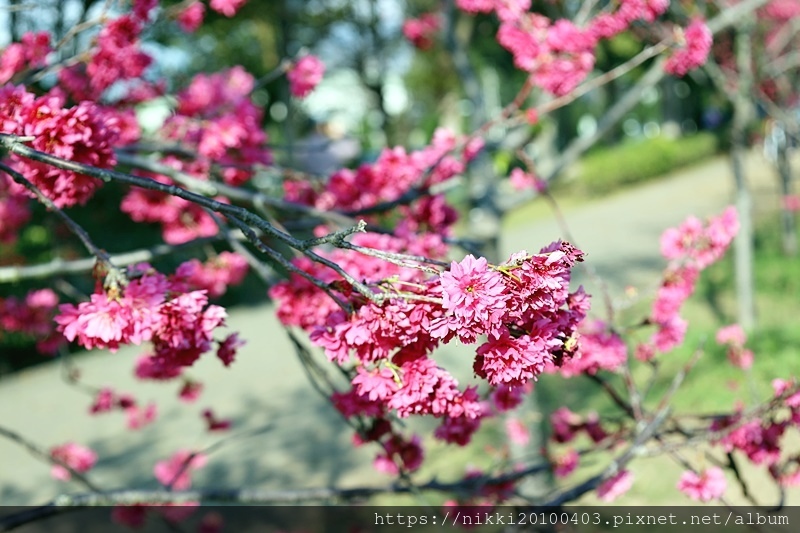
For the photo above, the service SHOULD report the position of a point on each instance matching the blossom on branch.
(191, 17)
(305, 75)
(227, 7)
(175, 472)
(615, 486)
(421, 31)
(707, 486)
(696, 45)
(83, 133)
(79, 458)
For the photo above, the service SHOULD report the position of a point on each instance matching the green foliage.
(608, 169)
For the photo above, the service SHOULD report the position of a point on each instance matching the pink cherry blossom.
(139, 417)
(227, 7)
(175, 472)
(600, 349)
(305, 75)
(615, 486)
(216, 275)
(517, 432)
(733, 334)
(566, 463)
(707, 486)
(191, 17)
(228, 348)
(79, 458)
(83, 133)
(522, 180)
(190, 391)
(694, 51)
(474, 295)
(421, 31)
(215, 424)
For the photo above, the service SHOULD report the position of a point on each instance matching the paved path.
(306, 444)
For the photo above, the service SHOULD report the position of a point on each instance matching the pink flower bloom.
(509, 360)
(517, 432)
(30, 53)
(84, 134)
(216, 275)
(566, 463)
(190, 391)
(740, 357)
(705, 487)
(474, 295)
(305, 75)
(697, 44)
(215, 424)
(378, 384)
(565, 424)
(99, 323)
(142, 8)
(227, 7)
(505, 398)
(400, 453)
(14, 214)
(670, 334)
(457, 430)
(476, 6)
(615, 486)
(139, 418)
(191, 17)
(791, 202)
(599, 349)
(228, 348)
(522, 180)
(175, 472)
(421, 32)
(79, 458)
(733, 334)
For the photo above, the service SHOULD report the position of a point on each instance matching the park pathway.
(303, 443)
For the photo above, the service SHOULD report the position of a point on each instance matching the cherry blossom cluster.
(225, 270)
(690, 248)
(116, 56)
(523, 308)
(394, 174)
(566, 427)
(733, 338)
(14, 212)
(30, 53)
(84, 133)
(79, 458)
(216, 119)
(782, 10)
(521, 180)
(304, 75)
(32, 316)
(176, 471)
(152, 308)
(180, 220)
(762, 440)
(706, 486)
(694, 50)
(559, 54)
(600, 349)
(138, 416)
(422, 31)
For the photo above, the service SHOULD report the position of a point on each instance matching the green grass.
(608, 169)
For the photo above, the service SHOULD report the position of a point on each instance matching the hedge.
(606, 170)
